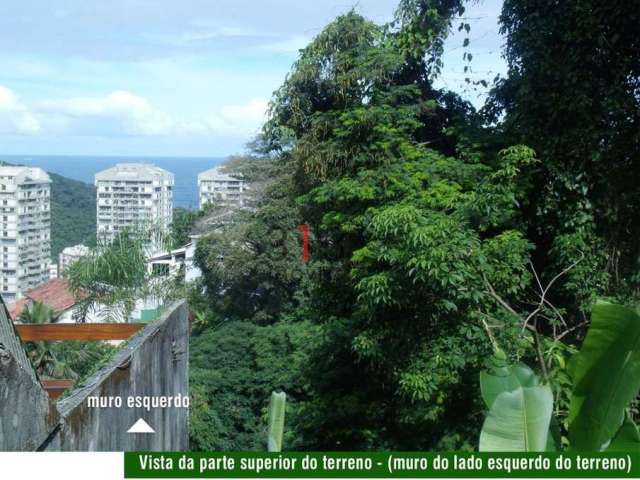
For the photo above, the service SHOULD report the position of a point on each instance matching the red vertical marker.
(304, 228)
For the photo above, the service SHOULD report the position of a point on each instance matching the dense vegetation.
(66, 360)
(183, 221)
(440, 235)
(73, 214)
(233, 370)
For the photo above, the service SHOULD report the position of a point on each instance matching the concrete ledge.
(152, 363)
(27, 415)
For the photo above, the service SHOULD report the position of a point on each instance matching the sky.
(175, 77)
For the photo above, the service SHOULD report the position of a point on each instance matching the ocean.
(184, 169)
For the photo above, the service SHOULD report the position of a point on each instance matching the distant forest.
(73, 213)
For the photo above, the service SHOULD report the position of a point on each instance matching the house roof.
(55, 294)
(167, 255)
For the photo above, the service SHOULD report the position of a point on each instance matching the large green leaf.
(627, 439)
(606, 376)
(518, 421)
(520, 409)
(503, 377)
(276, 421)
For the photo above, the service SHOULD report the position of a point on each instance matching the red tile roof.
(55, 294)
(15, 309)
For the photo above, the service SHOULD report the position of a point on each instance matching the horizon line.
(199, 157)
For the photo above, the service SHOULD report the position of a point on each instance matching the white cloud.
(239, 120)
(198, 36)
(123, 114)
(291, 44)
(219, 32)
(15, 118)
(119, 113)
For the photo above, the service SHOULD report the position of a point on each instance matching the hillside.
(73, 213)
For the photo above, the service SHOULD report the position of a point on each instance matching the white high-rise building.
(222, 189)
(25, 231)
(133, 196)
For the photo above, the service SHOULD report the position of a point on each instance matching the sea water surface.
(184, 169)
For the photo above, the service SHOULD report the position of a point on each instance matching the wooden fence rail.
(55, 388)
(77, 331)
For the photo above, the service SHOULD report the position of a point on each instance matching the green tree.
(411, 233)
(232, 371)
(573, 95)
(113, 276)
(429, 224)
(252, 266)
(183, 223)
(42, 354)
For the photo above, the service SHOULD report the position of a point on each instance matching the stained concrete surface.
(152, 363)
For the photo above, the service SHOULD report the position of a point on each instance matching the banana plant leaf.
(606, 376)
(503, 377)
(627, 439)
(518, 421)
(276, 421)
(520, 409)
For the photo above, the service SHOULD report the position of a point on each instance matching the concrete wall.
(27, 416)
(152, 363)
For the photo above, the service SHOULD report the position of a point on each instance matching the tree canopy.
(438, 234)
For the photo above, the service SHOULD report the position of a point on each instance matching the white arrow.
(141, 427)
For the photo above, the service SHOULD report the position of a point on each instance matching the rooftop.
(214, 219)
(76, 250)
(55, 294)
(134, 172)
(219, 174)
(25, 174)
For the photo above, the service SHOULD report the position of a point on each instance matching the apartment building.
(70, 255)
(134, 197)
(222, 189)
(25, 230)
